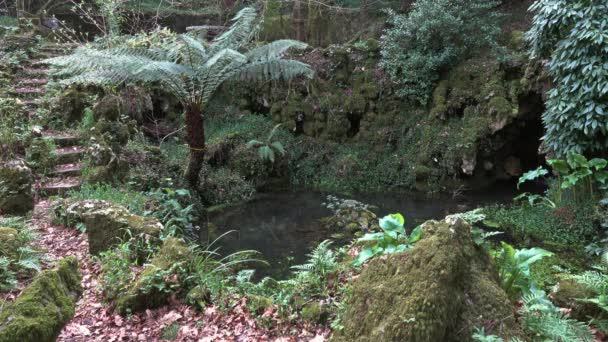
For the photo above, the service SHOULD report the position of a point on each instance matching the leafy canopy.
(434, 35)
(572, 35)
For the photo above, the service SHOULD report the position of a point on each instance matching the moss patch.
(44, 307)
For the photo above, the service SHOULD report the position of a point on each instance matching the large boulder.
(141, 295)
(439, 291)
(16, 181)
(107, 225)
(44, 307)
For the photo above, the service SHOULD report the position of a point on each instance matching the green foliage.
(134, 201)
(268, 149)
(571, 34)
(169, 210)
(514, 267)
(39, 154)
(432, 36)
(13, 128)
(18, 258)
(392, 239)
(595, 280)
(170, 333)
(88, 120)
(569, 225)
(548, 323)
(116, 273)
(189, 68)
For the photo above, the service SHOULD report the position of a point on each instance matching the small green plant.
(8, 278)
(268, 149)
(116, 273)
(514, 267)
(548, 323)
(392, 239)
(170, 333)
(168, 208)
(88, 120)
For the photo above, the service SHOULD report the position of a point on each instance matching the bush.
(434, 35)
(572, 35)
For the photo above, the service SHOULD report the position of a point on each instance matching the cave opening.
(515, 149)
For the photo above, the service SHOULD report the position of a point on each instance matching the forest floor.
(95, 321)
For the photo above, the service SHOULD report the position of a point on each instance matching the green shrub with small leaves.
(433, 36)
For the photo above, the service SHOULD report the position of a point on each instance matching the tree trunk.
(196, 140)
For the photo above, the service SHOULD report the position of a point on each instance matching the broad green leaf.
(393, 222)
(576, 161)
(416, 235)
(278, 147)
(363, 256)
(372, 237)
(531, 175)
(559, 165)
(598, 163)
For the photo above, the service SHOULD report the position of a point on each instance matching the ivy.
(573, 35)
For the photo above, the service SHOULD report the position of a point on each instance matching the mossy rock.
(351, 222)
(141, 296)
(44, 307)
(16, 181)
(257, 304)
(108, 226)
(110, 107)
(71, 104)
(315, 312)
(8, 239)
(566, 294)
(439, 291)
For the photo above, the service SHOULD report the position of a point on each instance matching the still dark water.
(284, 226)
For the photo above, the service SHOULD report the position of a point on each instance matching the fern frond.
(239, 33)
(275, 49)
(272, 70)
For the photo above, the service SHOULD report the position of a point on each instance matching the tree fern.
(189, 68)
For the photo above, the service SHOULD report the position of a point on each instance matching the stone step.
(67, 155)
(60, 186)
(27, 92)
(68, 170)
(34, 72)
(62, 139)
(32, 82)
(32, 103)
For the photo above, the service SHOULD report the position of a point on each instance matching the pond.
(284, 226)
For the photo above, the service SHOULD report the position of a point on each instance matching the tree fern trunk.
(196, 140)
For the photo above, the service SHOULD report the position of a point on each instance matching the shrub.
(572, 35)
(435, 35)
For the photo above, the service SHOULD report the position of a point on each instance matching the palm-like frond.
(239, 33)
(189, 68)
(275, 49)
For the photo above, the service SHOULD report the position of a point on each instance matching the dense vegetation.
(130, 146)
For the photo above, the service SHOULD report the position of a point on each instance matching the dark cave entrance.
(515, 148)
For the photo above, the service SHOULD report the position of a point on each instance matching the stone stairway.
(70, 152)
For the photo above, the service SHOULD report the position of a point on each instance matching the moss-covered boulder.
(44, 307)
(8, 238)
(438, 291)
(164, 267)
(350, 221)
(567, 294)
(72, 103)
(108, 226)
(16, 181)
